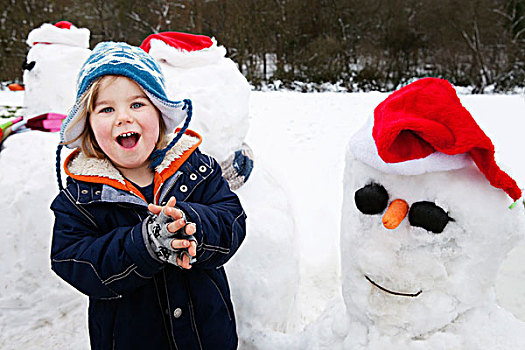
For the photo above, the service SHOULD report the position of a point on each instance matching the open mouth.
(128, 139)
(413, 295)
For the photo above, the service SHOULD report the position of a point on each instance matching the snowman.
(426, 225)
(54, 59)
(264, 272)
(195, 67)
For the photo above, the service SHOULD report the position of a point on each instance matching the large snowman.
(264, 273)
(54, 59)
(426, 225)
(195, 67)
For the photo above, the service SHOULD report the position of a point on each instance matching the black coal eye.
(371, 199)
(428, 216)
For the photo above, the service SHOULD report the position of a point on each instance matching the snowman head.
(61, 33)
(449, 220)
(52, 65)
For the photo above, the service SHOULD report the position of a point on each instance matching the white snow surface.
(300, 144)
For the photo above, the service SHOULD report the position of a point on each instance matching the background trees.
(361, 44)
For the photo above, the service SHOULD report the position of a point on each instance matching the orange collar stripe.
(159, 178)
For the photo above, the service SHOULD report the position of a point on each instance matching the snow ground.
(299, 138)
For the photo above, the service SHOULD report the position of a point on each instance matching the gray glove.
(160, 238)
(236, 169)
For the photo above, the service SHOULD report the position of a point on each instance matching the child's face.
(125, 123)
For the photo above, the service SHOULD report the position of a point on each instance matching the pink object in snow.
(50, 122)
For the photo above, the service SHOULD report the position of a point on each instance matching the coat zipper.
(169, 330)
(169, 189)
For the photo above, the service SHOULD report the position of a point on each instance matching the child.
(153, 272)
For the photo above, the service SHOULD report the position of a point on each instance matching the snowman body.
(415, 289)
(264, 273)
(56, 55)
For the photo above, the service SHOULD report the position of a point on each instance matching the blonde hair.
(89, 145)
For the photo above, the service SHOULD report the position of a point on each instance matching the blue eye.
(137, 105)
(106, 110)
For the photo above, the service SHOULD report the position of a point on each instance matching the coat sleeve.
(101, 265)
(219, 217)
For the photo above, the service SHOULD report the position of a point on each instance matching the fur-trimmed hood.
(89, 169)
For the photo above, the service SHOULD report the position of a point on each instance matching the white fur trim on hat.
(165, 53)
(363, 146)
(48, 33)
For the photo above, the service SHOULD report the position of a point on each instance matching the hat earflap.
(59, 173)
(158, 155)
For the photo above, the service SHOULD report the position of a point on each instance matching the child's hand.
(178, 223)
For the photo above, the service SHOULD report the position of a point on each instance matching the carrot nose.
(396, 212)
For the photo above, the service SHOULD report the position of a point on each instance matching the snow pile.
(37, 310)
(53, 63)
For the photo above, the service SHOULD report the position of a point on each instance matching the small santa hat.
(423, 127)
(64, 25)
(62, 32)
(183, 49)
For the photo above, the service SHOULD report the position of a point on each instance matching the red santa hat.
(424, 127)
(183, 49)
(62, 32)
(64, 25)
(181, 41)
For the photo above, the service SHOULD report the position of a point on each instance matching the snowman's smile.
(413, 295)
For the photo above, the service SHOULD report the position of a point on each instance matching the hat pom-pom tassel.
(513, 205)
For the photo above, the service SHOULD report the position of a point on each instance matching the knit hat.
(423, 127)
(111, 58)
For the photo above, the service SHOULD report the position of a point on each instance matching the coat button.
(97, 192)
(84, 191)
(177, 312)
(183, 188)
(193, 177)
(202, 168)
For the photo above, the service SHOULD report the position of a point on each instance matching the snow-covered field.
(300, 139)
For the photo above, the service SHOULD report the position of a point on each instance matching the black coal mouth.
(412, 295)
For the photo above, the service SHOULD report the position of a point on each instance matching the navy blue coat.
(135, 300)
